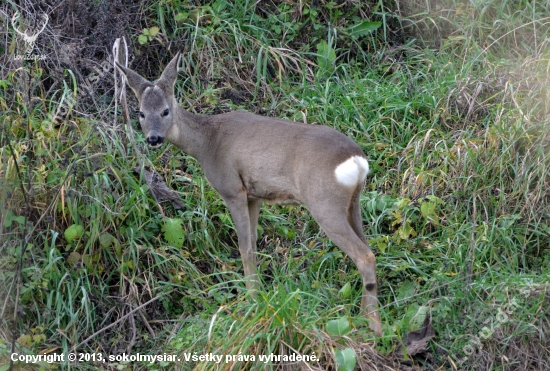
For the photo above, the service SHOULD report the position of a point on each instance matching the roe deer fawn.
(249, 159)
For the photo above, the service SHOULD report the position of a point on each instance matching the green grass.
(449, 102)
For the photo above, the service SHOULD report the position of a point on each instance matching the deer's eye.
(166, 112)
(141, 114)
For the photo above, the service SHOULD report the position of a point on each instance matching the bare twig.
(123, 100)
(133, 339)
(119, 320)
(149, 328)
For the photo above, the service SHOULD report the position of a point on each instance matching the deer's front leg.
(253, 214)
(240, 210)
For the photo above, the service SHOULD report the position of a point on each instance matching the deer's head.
(156, 101)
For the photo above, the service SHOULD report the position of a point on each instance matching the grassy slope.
(456, 208)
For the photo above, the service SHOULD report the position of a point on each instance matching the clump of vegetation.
(449, 100)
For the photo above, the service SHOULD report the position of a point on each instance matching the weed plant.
(449, 101)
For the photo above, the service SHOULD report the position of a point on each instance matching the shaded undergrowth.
(448, 100)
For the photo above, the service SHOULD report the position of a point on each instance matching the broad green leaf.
(286, 232)
(10, 218)
(74, 232)
(173, 232)
(406, 290)
(106, 240)
(24, 340)
(345, 359)
(181, 16)
(363, 28)
(345, 291)
(153, 31)
(406, 231)
(402, 203)
(416, 314)
(427, 209)
(338, 327)
(434, 199)
(142, 39)
(38, 338)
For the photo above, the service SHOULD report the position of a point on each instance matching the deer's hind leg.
(354, 215)
(344, 227)
(369, 299)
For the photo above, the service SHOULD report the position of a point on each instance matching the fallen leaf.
(416, 342)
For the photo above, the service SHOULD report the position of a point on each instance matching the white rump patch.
(352, 171)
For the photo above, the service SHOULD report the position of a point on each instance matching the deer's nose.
(154, 140)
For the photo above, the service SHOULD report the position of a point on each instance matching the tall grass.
(449, 100)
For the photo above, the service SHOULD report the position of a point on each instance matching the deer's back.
(271, 155)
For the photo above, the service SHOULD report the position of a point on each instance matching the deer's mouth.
(155, 146)
(154, 141)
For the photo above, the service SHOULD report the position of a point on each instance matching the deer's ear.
(168, 78)
(135, 81)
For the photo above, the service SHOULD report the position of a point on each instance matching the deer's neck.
(188, 132)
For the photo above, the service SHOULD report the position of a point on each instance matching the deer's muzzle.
(154, 141)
